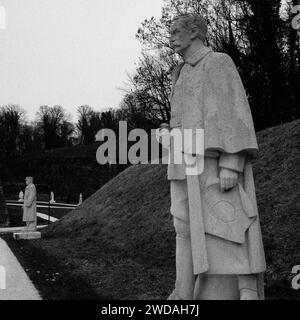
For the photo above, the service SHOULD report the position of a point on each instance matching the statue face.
(180, 38)
(28, 180)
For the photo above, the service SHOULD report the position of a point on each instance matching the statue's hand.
(228, 179)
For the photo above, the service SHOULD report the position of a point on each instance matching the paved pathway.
(14, 278)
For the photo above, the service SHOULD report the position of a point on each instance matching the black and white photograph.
(149, 153)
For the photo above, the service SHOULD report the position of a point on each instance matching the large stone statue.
(29, 207)
(219, 249)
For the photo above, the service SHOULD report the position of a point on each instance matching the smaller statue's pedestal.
(27, 235)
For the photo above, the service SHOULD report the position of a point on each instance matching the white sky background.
(69, 52)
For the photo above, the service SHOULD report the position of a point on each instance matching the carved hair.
(193, 21)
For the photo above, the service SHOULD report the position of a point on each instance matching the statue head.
(28, 180)
(185, 30)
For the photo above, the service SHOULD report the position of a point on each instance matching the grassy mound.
(124, 234)
(122, 240)
(129, 214)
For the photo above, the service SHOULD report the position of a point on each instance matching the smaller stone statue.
(52, 197)
(21, 196)
(80, 199)
(29, 207)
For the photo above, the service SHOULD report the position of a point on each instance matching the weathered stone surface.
(29, 207)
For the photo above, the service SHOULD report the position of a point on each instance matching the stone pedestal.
(27, 235)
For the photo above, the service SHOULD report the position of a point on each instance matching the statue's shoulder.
(217, 59)
(31, 187)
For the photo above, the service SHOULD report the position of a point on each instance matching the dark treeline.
(50, 130)
(26, 148)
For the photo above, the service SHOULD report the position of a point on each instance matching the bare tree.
(88, 124)
(11, 119)
(53, 122)
(83, 125)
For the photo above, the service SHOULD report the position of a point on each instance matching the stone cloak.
(29, 207)
(216, 101)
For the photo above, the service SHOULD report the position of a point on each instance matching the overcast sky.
(69, 52)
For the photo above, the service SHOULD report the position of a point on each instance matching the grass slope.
(121, 240)
(122, 235)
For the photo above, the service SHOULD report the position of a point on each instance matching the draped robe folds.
(208, 94)
(29, 208)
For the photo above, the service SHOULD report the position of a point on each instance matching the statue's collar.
(197, 56)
